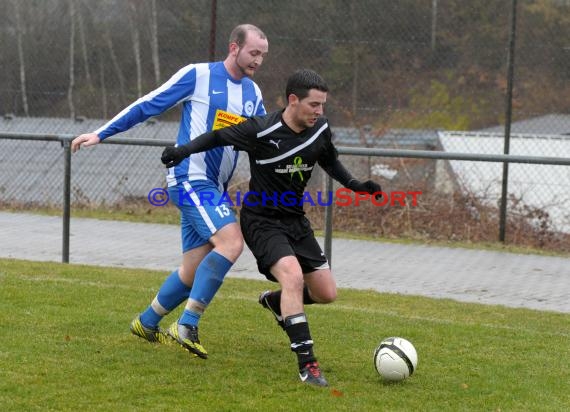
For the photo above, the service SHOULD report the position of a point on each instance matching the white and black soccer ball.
(395, 359)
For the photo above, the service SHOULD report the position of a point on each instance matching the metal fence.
(431, 64)
(61, 176)
(447, 76)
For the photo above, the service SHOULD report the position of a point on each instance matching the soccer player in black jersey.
(283, 148)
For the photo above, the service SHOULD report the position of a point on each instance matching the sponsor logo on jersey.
(295, 169)
(225, 119)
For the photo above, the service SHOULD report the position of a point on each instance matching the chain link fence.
(438, 64)
(428, 75)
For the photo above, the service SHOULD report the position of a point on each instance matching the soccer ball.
(395, 359)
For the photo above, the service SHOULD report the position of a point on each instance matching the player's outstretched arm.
(338, 172)
(368, 186)
(84, 140)
(172, 156)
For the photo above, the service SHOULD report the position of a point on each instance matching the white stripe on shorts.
(200, 208)
(323, 266)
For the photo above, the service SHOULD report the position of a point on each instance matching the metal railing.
(65, 141)
(427, 154)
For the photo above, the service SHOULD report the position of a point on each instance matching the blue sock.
(171, 294)
(190, 317)
(209, 277)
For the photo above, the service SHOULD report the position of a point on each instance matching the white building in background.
(542, 187)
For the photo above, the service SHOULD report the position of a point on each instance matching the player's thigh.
(307, 249)
(322, 285)
(317, 273)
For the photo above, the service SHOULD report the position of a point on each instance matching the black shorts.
(271, 238)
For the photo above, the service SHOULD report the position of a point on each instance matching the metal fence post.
(328, 220)
(508, 119)
(66, 143)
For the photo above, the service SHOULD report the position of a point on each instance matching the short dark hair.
(303, 80)
(239, 33)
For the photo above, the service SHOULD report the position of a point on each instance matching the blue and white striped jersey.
(210, 99)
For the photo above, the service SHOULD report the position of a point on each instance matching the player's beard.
(244, 69)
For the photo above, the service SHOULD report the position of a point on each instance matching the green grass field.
(65, 345)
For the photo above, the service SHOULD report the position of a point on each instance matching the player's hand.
(84, 140)
(172, 156)
(369, 186)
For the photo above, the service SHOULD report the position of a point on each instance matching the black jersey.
(281, 161)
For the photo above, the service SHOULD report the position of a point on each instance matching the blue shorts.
(203, 211)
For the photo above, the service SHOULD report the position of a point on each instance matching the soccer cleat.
(264, 301)
(187, 337)
(151, 335)
(311, 374)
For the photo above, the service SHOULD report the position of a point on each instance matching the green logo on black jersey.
(297, 167)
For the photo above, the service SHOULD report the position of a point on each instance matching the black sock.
(274, 299)
(307, 299)
(297, 329)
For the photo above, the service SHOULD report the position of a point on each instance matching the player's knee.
(229, 242)
(230, 248)
(332, 296)
(292, 282)
(328, 295)
(235, 247)
(186, 275)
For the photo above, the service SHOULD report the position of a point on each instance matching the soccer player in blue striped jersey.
(212, 96)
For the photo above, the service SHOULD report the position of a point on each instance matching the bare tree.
(103, 88)
(83, 43)
(115, 61)
(135, 35)
(71, 59)
(20, 44)
(154, 41)
(355, 58)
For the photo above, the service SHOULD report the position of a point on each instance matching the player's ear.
(233, 48)
(293, 99)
